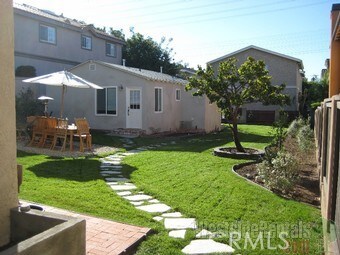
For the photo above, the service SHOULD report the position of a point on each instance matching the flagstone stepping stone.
(205, 234)
(105, 175)
(173, 142)
(124, 193)
(177, 233)
(110, 172)
(157, 218)
(172, 215)
(180, 223)
(123, 187)
(141, 192)
(137, 203)
(111, 167)
(112, 183)
(207, 247)
(153, 201)
(117, 179)
(138, 197)
(154, 208)
(111, 163)
(127, 145)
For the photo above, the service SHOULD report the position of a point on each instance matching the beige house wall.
(283, 71)
(67, 51)
(81, 102)
(8, 172)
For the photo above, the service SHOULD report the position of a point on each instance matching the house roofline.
(125, 69)
(260, 49)
(24, 9)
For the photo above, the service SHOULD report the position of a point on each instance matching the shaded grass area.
(184, 175)
(75, 184)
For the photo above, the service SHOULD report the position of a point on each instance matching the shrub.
(294, 127)
(26, 105)
(25, 71)
(279, 173)
(305, 138)
(279, 130)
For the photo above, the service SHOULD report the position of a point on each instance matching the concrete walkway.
(111, 170)
(105, 237)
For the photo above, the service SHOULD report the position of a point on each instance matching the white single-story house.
(134, 98)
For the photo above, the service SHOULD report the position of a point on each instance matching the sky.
(203, 30)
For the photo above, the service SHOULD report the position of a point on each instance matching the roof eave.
(256, 48)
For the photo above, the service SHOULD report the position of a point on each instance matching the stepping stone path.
(111, 170)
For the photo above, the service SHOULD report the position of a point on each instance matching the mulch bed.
(307, 189)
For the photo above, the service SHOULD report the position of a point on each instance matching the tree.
(144, 52)
(235, 86)
(313, 93)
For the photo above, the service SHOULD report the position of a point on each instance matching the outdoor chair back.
(60, 134)
(50, 130)
(38, 128)
(83, 133)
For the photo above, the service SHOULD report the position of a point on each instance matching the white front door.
(134, 108)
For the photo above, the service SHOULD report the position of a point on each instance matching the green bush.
(294, 127)
(27, 105)
(25, 71)
(279, 173)
(305, 138)
(279, 130)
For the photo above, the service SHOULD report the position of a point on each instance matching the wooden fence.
(327, 134)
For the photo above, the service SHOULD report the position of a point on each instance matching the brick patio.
(105, 237)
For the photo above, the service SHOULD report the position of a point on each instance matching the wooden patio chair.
(83, 133)
(61, 134)
(50, 130)
(38, 128)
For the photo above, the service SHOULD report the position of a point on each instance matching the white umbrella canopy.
(63, 79)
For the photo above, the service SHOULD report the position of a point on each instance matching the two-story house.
(51, 42)
(283, 69)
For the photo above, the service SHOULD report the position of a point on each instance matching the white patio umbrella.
(63, 79)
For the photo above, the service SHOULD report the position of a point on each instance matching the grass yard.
(187, 177)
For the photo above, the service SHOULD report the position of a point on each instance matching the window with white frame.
(86, 42)
(178, 94)
(106, 101)
(111, 49)
(158, 99)
(47, 34)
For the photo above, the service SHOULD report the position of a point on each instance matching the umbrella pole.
(62, 102)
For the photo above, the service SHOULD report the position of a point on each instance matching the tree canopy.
(313, 93)
(235, 86)
(144, 52)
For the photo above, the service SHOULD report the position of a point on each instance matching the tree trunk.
(234, 129)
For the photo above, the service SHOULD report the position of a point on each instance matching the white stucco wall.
(8, 172)
(81, 102)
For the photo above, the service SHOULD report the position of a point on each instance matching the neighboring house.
(51, 42)
(283, 69)
(327, 126)
(135, 98)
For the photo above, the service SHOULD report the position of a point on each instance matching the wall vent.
(92, 67)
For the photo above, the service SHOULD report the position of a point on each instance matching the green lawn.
(187, 177)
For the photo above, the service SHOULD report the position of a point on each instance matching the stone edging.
(234, 169)
(238, 155)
